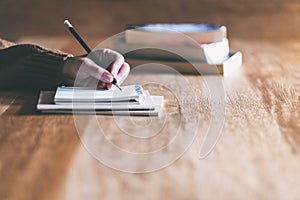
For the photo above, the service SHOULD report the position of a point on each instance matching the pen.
(86, 47)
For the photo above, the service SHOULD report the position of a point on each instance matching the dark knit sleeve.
(30, 67)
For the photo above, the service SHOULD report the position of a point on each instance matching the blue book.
(174, 34)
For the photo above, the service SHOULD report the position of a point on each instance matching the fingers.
(123, 72)
(83, 68)
(121, 75)
(97, 71)
(112, 61)
(108, 59)
(116, 65)
(101, 85)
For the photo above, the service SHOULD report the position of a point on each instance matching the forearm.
(33, 67)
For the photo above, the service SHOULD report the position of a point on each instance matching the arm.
(33, 67)
(29, 66)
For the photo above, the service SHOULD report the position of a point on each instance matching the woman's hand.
(109, 64)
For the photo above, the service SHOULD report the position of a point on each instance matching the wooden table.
(256, 157)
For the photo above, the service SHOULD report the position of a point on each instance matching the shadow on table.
(19, 102)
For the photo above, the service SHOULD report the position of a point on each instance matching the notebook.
(148, 106)
(88, 95)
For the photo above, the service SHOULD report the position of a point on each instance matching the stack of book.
(132, 100)
(178, 46)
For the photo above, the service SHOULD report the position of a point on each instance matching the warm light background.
(98, 18)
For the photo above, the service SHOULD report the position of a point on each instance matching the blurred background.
(249, 19)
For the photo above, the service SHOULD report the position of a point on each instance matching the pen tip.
(118, 87)
(116, 84)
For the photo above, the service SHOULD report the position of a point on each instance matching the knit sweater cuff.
(33, 67)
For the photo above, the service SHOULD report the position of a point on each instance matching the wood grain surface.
(256, 157)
